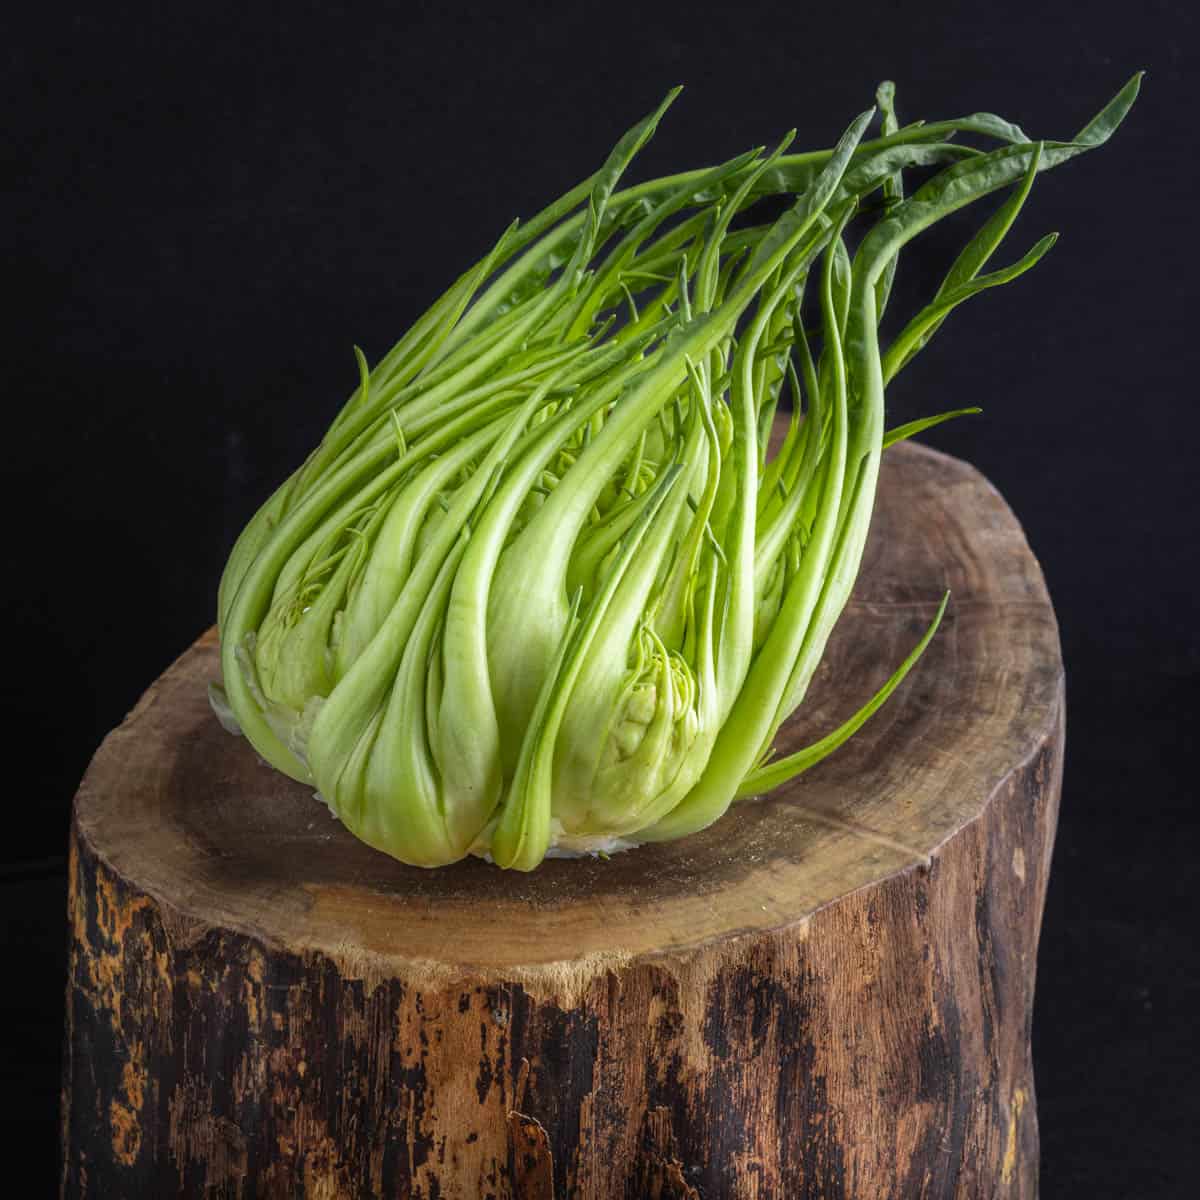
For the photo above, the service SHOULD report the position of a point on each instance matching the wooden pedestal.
(826, 994)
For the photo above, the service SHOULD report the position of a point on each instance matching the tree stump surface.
(825, 994)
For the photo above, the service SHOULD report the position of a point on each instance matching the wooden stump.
(826, 994)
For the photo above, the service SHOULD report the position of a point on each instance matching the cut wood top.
(187, 813)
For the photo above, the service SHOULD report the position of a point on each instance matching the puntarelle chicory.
(541, 586)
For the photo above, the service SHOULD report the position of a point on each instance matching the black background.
(204, 207)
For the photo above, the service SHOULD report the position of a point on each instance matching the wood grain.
(826, 994)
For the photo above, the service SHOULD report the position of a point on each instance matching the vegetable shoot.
(547, 584)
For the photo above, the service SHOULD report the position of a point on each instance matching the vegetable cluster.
(541, 585)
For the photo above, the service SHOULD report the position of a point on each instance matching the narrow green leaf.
(780, 771)
(912, 428)
(920, 329)
(893, 189)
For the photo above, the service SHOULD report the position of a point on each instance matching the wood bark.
(826, 994)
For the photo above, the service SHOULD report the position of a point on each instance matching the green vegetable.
(541, 585)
